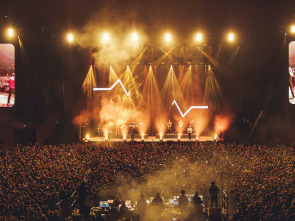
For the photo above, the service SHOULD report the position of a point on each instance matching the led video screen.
(7, 75)
(291, 86)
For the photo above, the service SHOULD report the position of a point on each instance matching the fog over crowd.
(35, 179)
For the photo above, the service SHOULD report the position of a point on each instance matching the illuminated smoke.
(187, 87)
(133, 86)
(201, 121)
(113, 77)
(161, 127)
(114, 114)
(221, 123)
(179, 172)
(171, 90)
(89, 82)
(82, 118)
(153, 101)
(121, 46)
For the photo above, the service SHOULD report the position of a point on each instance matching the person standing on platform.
(132, 133)
(11, 83)
(189, 132)
(141, 206)
(197, 202)
(158, 205)
(82, 196)
(99, 130)
(183, 202)
(213, 191)
(169, 125)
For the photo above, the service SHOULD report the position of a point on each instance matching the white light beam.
(111, 88)
(192, 107)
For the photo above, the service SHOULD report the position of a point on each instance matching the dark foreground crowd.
(36, 180)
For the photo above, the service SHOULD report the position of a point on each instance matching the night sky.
(261, 64)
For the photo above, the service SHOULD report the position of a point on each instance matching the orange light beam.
(111, 88)
(192, 107)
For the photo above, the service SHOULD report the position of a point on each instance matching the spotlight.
(142, 139)
(161, 139)
(199, 37)
(197, 138)
(106, 37)
(168, 37)
(134, 36)
(10, 32)
(70, 37)
(124, 140)
(293, 29)
(231, 37)
(87, 138)
(215, 138)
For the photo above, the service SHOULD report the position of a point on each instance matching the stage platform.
(166, 138)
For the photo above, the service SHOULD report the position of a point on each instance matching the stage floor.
(153, 139)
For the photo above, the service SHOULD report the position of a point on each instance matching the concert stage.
(166, 138)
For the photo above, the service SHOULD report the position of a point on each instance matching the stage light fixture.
(134, 36)
(215, 138)
(87, 138)
(293, 29)
(70, 37)
(199, 37)
(231, 37)
(106, 37)
(10, 32)
(168, 37)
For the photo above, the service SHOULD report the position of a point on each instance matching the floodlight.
(168, 37)
(70, 37)
(293, 29)
(134, 36)
(106, 37)
(231, 37)
(10, 32)
(199, 37)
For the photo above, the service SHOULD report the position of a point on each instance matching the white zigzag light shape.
(111, 88)
(192, 107)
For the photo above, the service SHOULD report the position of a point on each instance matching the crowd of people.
(37, 180)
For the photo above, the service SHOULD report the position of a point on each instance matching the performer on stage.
(132, 133)
(117, 128)
(169, 125)
(99, 130)
(189, 132)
